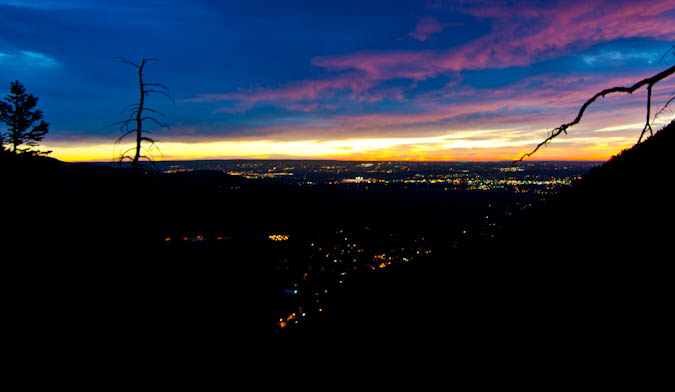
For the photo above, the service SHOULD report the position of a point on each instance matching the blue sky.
(348, 80)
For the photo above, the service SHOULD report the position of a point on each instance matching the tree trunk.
(139, 114)
(15, 132)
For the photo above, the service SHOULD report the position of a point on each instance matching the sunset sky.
(360, 80)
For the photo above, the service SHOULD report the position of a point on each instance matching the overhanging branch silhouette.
(649, 82)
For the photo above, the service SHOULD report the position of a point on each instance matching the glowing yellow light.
(491, 144)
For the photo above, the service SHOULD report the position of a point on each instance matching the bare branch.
(665, 106)
(649, 82)
(122, 158)
(129, 107)
(149, 150)
(152, 162)
(649, 107)
(122, 59)
(125, 152)
(665, 55)
(155, 111)
(153, 144)
(118, 123)
(162, 93)
(119, 139)
(124, 127)
(157, 85)
(155, 121)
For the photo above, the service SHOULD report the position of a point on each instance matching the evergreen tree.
(19, 114)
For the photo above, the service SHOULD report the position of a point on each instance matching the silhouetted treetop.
(18, 113)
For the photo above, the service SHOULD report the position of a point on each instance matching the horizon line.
(341, 160)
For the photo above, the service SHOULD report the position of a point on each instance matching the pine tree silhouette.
(18, 113)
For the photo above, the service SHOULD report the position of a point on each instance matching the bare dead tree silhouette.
(137, 116)
(649, 82)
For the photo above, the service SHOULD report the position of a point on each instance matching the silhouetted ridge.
(586, 271)
(622, 207)
(649, 159)
(587, 268)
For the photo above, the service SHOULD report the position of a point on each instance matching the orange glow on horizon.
(435, 148)
(67, 155)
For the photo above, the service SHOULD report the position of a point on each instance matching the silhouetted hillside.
(91, 241)
(85, 244)
(620, 209)
(584, 272)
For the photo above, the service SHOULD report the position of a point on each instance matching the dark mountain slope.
(587, 270)
(584, 275)
(623, 208)
(88, 240)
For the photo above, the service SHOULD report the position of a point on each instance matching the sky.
(356, 80)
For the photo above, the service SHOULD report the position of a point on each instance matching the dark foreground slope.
(620, 210)
(585, 272)
(583, 277)
(86, 245)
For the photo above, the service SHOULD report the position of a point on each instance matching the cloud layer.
(520, 36)
(350, 79)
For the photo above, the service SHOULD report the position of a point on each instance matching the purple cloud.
(427, 27)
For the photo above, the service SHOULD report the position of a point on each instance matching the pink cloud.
(534, 103)
(377, 66)
(427, 27)
(299, 90)
(295, 95)
(532, 106)
(520, 36)
(543, 101)
(302, 95)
